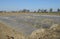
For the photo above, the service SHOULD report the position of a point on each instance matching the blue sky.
(28, 4)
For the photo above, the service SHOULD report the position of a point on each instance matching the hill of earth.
(52, 33)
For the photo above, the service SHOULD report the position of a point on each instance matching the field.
(29, 25)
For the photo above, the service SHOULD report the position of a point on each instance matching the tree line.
(35, 11)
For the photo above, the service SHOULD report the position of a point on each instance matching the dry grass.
(16, 14)
(11, 14)
(7, 32)
(58, 14)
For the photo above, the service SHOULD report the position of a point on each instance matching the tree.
(1, 11)
(39, 10)
(45, 10)
(51, 10)
(27, 10)
(42, 10)
(58, 10)
(24, 10)
(35, 11)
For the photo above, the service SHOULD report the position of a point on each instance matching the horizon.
(15, 5)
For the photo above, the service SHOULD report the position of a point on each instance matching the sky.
(10, 5)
